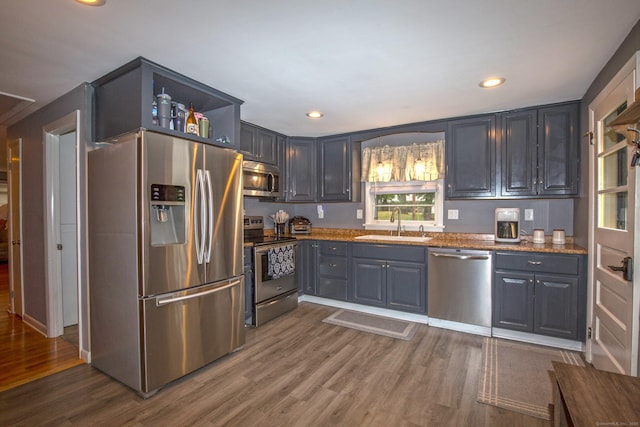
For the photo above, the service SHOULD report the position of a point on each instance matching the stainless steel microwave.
(261, 180)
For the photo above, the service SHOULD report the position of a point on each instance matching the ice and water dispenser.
(167, 213)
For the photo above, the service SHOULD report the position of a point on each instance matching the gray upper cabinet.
(301, 170)
(339, 167)
(558, 151)
(124, 97)
(519, 153)
(258, 144)
(471, 158)
(539, 152)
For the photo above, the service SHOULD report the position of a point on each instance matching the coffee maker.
(507, 225)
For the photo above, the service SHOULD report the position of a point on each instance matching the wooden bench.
(590, 397)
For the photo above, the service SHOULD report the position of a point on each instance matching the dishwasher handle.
(455, 256)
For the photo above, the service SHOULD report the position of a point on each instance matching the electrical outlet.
(358, 213)
(528, 214)
(320, 212)
(452, 213)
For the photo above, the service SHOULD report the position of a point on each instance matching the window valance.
(415, 162)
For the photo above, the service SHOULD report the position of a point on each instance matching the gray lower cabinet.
(389, 276)
(248, 285)
(306, 266)
(332, 273)
(540, 293)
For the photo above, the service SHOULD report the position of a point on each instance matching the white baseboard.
(400, 315)
(85, 355)
(447, 324)
(539, 339)
(460, 327)
(30, 321)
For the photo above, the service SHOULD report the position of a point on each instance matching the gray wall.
(30, 130)
(628, 47)
(475, 216)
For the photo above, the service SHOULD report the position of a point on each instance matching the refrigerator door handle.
(207, 254)
(160, 301)
(198, 216)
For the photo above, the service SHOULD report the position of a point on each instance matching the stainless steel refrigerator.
(165, 257)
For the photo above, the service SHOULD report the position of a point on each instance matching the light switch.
(528, 214)
(358, 213)
(452, 213)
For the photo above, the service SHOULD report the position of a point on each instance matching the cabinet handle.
(534, 262)
(334, 248)
(314, 246)
(333, 265)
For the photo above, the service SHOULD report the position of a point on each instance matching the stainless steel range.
(275, 289)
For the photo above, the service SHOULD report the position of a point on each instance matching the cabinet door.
(331, 287)
(248, 135)
(558, 155)
(513, 301)
(306, 266)
(519, 153)
(368, 283)
(556, 302)
(334, 177)
(266, 147)
(406, 287)
(301, 170)
(471, 158)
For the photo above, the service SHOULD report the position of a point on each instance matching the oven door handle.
(265, 248)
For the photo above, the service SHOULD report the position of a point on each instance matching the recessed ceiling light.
(492, 82)
(314, 114)
(92, 2)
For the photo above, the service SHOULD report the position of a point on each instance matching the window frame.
(404, 187)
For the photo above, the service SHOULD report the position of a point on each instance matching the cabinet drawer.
(390, 252)
(332, 266)
(537, 262)
(332, 248)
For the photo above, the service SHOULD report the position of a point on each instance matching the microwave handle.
(271, 182)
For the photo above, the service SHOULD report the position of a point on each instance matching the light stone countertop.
(446, 240)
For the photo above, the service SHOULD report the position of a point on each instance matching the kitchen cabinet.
(558, 150)
(124, 97)
(389, 276)
(539, 152)
(332, 273)
(306, 266)
(301, 170)
(258, 144)
(339, 170)
(470, 152)
(540, 293)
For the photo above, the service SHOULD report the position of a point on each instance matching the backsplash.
(474, 216)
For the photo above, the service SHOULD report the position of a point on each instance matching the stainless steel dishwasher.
(459, 289)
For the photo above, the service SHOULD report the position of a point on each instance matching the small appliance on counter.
(507, 225)
(299, 225)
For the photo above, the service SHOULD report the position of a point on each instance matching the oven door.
(268, 286)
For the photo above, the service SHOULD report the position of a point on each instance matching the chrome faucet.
(421, 230)
(392, 219)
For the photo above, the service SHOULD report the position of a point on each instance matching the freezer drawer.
(186, 330)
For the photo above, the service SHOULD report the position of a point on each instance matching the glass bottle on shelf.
(192, 123)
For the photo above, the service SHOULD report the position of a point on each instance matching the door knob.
(626, 268)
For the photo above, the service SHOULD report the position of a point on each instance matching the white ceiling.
(364, 63)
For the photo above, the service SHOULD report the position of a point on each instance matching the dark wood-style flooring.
(294, 371)
(25, 354)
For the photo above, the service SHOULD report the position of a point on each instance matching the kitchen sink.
(393, 238)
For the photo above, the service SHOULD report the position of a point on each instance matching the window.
(419, 203)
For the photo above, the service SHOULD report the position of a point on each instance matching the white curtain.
(416, 162)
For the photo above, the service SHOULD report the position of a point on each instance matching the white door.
(68, 227)
(613, 346)
(14, 154)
